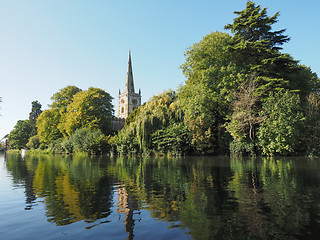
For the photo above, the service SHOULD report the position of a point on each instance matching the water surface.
(64, 197)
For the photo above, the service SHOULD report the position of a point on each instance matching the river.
(70, 197)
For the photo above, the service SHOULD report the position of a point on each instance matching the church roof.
(129, 82)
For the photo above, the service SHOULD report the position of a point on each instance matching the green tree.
(60, 102)
(63, 98)
(311, 133)
(160, 112)
(254, 26)
(20, 135)
(280, 133)
(87, 140)
(33, 115)
(34, 142)
(256, 49)
(245, 114)
(206, 96)
(50, 123)
(245, 118)
(172, 139)
(47, 126)
(91, 109)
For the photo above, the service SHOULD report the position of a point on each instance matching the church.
(128, 100)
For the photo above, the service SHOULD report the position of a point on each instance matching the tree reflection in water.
(207, 197)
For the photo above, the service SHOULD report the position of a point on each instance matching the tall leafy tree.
(253, 25)
(280, 133)
(206, 96)
(19, 136)
(256, 47)
(33, 115)
(311, 133)
(47, 126)
(91, 109)
(63, 98)
(245, 116)
(155, 123)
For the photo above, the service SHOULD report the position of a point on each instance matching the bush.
(67, 145)
(55, 146)
(241, 148)
(280, 133)
(86, 140)
(34, 142)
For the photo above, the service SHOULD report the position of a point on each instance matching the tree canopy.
(33, 116)
(92, 109)
(230, 78)
(73, 109)
(19, 136)
(152, 125)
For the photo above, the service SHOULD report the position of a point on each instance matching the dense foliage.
(242, 95)
(156, 127)
(19, 136)
(280, 132)
(25, 129)
(74, 109)
(77, 121)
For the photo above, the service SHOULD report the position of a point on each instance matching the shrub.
(86, 140)
(241, 148)
(34, 142)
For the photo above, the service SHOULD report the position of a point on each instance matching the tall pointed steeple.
(128, 100)
(129, 81)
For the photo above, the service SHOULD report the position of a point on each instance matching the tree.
(245, 112)
(90, 141)
(254, 26)
(280, 133)
(172, 139)
(206, 96)
(161, 112)
(50, 125)
(256, 49)
(90, 109)
(20, 135)
(34, 142)
(311, 130)
(245, 117)
(33, 115)
(47, 126)
(63, 98)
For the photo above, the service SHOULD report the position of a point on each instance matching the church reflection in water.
(129, 207)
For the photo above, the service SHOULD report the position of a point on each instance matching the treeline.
(242, 95)
(77, 121)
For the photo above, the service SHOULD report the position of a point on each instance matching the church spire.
(129, 81)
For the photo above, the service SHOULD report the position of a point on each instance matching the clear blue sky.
(47, 45)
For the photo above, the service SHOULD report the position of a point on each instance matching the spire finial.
(129, 81)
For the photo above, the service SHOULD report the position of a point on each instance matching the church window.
(134, 101)
(122, 110)
(122, 100)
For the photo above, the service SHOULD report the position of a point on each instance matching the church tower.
(128, 100)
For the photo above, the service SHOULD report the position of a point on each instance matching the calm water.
(59, 197)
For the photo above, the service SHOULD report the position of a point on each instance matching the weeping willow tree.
(158, 114)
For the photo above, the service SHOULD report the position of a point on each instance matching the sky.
(48, 45)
